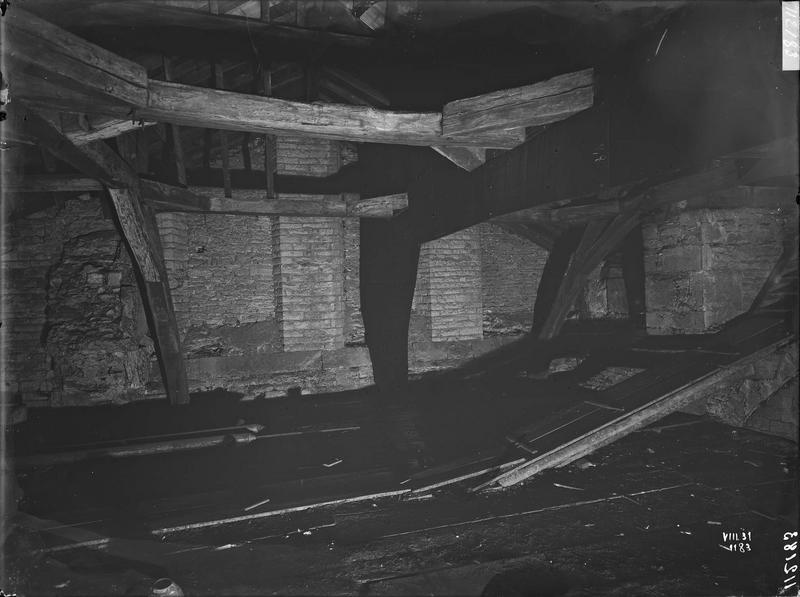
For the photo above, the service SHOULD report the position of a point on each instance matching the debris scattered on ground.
(256, 505)
(608, 377)
(563, 364)
(568, 487)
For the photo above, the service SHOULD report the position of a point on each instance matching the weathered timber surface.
(467, 158)
(634, 419)
(130, 220)
(251, 202)
(227, 110)
(531, 105)
(47, 48)
(52, 183)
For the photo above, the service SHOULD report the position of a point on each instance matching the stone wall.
(267, 304)
(763, 396)
(94, 332)
(704, 267)
(76, 332)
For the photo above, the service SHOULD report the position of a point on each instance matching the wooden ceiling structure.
(563, 122)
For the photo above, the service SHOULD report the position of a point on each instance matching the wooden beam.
(51, 138)
(389, 255)
(561, 163)
(52, 183)
(228, 110)
(44, 47)
(599, 238)
(555, 269)
(104, 128)
(467, 158)
(540, 103)
(141, 235)
(175, 132)
(223, 135)
(633, 420)
(251, 202)
(376, 207)
(195, 106)
(45, 94)
(264, 78)
(563, 213)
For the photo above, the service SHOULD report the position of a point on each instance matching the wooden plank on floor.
(651, 410)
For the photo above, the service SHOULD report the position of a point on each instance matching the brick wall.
(301, 156)
(219, 269)
(511, 267)
(704, 267)
(308, 267)
(449, 286)
(298, 156)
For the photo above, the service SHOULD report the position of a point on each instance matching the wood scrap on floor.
(654, 408)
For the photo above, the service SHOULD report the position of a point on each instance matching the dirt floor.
(645, 516)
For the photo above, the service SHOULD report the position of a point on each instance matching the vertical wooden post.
(175, 133)
(389, 255)
(554, 270)
(596, 241)
(219, 83)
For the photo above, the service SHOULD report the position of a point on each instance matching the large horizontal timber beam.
(246, 202)
(60, 56)
(538, 104)
(139, 229)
